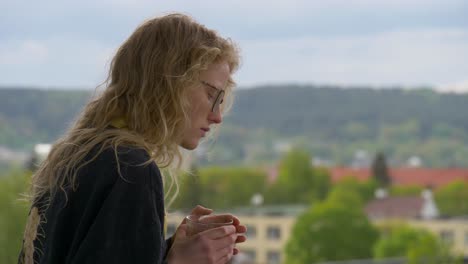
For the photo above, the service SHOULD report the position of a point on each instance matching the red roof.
(424, 177)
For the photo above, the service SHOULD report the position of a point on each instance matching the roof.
(424, 177)
(395, 207)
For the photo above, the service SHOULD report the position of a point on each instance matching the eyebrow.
(210, 85)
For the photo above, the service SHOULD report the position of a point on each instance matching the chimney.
(381, 193)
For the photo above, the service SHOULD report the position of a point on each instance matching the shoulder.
(127, 154)
(127, 163)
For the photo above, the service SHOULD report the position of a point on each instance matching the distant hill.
(28, 116)
(331, 112)
(331, 122)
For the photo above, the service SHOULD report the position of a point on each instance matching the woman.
(98, 197)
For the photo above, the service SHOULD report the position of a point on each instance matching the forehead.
(217, 74)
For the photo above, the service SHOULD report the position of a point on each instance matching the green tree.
(331, 230)
(365, 190)
(380, 170)
(190, 190)
(322, 183)
(417, 245)
(13, 214)
(405, 190)
(298, 181)
(229, 187)
(452, 199)
(346, 196)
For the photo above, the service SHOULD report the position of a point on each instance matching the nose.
(215, 117)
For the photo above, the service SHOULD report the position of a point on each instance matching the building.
(402, 207)
(419, 212)
(269, 229)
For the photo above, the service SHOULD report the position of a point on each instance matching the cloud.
(26, 52)
(350, 42)
(412, 57)
(55, 62)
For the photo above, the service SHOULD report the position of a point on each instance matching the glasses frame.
(218, 99)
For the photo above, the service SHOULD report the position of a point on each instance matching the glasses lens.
(217, 102)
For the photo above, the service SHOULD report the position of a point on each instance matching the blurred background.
(347, 142)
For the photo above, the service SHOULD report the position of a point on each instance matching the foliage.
(13, 214)
(417, 245)
(345, 196)
(399, 122)
(452, 199)
(31, 116)
(297, 181)
(190, 191)
(405, 190)
(380, 170)
(365, 190)
(220, 187)
(331, 230)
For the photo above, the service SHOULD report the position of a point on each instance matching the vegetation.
(329, 122)
(364, 190)
(380, 170)
(220, 188)
(336, 229)
(417, 245)
(298, 182)
(13, 214)
(452, 199)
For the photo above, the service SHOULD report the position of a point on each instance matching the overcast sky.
(68, 44)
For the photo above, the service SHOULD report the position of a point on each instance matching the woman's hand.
(216, 245)
(213, 246)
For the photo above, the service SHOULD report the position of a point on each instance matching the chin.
(189, 145)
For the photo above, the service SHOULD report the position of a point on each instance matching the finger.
(235, 220)
(224, 254)
(225, 242)
(218, 218)
(223, 260)
(241, 239)
(181, 232)
(200, 210)
(218, 232)
(241, 229)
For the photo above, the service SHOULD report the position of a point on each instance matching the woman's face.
(205, 97)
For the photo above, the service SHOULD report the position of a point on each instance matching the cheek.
(199, 104)
(196, 110)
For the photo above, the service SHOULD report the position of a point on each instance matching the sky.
(378, 43)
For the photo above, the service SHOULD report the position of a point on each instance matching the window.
(273, 257)
(251, 255)
(447, 236)
(273, 233)
(251, 232)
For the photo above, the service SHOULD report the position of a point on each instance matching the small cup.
(200, 223)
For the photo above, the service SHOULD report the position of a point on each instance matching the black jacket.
(109, 218)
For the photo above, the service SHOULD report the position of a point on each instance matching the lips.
(204, 130)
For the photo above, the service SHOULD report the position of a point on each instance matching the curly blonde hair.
(147, 88)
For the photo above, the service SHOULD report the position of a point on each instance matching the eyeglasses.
(218, 99)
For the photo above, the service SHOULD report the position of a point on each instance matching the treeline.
(29, 116)
(331, 122)
(343, 113)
